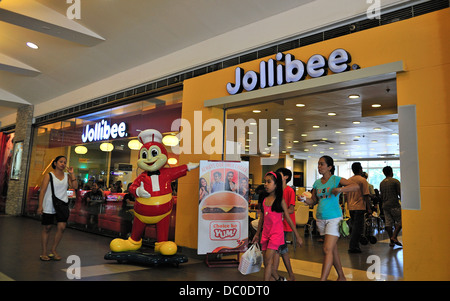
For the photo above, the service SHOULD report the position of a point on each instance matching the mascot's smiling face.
(152, 158)
(153, 154)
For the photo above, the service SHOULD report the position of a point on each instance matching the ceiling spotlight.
(32, 45)
(289, 119)
(331, 114)
(376, 105)
(256, 111)
(316, 126)
(356, 122)
(353, 96)
(300, 105)
(377, 129)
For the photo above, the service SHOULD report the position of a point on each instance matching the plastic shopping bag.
(251, 260)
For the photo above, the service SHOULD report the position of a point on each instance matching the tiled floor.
(20, 250)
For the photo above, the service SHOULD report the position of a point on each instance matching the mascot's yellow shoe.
(122, 245)
(166, 247)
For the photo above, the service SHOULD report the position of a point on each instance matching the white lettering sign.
(103, 131)
(271, 74)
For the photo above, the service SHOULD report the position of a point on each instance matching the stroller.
(370, 222)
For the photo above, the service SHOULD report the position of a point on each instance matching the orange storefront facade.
(415, 53)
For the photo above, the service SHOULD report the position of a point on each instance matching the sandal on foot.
(44, 258)
(55, 257)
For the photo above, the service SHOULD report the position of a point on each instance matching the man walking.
(358, 204)
(390, 194)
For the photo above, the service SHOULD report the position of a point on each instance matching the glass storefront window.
(103, 149)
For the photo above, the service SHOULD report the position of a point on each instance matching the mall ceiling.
(116, 35)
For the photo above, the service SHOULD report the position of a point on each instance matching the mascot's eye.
(144, 155)
(155, 152)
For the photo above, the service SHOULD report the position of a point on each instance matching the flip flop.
(44, 258)
(55, 257)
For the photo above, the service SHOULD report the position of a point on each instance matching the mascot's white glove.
(141, 192)
(191, 166)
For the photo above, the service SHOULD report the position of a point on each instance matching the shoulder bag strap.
(51, 183)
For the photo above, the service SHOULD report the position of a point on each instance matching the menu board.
(223, 207)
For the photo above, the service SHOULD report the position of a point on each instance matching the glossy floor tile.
(20, 249)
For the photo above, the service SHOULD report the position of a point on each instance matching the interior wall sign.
(274, 72)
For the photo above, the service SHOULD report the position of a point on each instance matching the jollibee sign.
(286, 69)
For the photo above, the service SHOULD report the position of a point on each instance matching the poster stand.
(219, 261)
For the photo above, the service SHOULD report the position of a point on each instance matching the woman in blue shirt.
(326, 194)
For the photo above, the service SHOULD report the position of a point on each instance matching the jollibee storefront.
(103, 148)
(413, 53)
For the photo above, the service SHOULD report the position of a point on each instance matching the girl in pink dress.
(274, 209)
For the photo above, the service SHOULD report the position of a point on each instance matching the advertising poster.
(223, 207)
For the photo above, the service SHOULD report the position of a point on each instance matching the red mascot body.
(153, 192)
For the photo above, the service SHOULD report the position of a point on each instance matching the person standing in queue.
(325, 193)
(270, 226)
(61, 182)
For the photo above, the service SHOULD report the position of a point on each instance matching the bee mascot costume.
(153, 194)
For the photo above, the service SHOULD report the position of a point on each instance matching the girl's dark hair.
(276, 177)
(56, 160)
(330, 162)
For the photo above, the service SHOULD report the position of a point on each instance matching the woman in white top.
(61, 182)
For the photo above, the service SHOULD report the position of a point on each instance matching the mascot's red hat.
(152, 137)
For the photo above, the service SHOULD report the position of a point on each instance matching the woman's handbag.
(251, 260)
(61, 207)
(344, 230)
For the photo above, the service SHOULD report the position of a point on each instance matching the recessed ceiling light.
(314, 145)
(295, 141)
(331, 114)
(353, 96)
(300, 105)
(289, 119)
(338, 132)
(256, 111)
(280, 130)
(394, 134)
(356, 122)
(32, 45)
(377, 129)
(316, 126)
(376, 105)
(304, 135)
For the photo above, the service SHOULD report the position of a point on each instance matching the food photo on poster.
(223, 207)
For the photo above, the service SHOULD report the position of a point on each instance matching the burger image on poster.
(224, 205)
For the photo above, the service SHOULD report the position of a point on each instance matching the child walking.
(270, 227)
